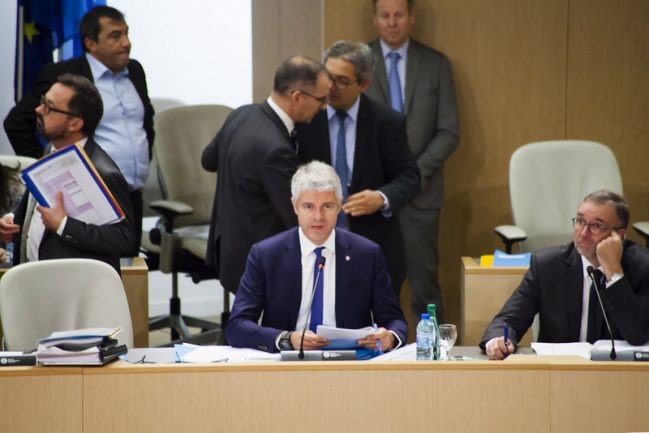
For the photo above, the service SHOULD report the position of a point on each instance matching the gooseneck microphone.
(591, 273)
(321, 265)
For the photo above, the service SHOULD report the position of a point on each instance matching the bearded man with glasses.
(557, 285)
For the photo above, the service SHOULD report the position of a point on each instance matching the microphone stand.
(591, 273)
(321, 264)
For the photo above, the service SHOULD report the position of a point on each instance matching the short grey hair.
(616, 201)
(315, 176)
(357, 53)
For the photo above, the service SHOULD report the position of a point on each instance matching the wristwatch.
(615, 278)
(285, 341)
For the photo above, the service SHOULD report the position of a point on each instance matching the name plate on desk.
(625, 355)
(319, 355)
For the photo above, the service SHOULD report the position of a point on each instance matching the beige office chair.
(16, 162)
(38, 298)
(547, 180)
(152, 191)
(182, 134)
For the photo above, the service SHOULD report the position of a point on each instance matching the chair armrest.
(642, 228)
(510, 235)
(172, 207)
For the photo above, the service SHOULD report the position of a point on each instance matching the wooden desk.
(523, 393)
(483, 291)
(136, 285)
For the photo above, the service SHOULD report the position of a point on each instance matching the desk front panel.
(40, 400)
(408, 397)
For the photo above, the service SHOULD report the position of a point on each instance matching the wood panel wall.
(526, 71)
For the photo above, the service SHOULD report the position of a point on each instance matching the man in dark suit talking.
(255, 156)
(69, 113)
(367, 144)
(557, 285)
(350, 290)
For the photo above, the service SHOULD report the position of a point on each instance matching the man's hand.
(7, 228)
(3, 255)
(609, 254)
(388, 340)
(52, 217)
(311, 340)
(363, 203)
(496, 348)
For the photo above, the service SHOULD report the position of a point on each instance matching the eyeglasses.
(48, 108)
(594, 228)
(321, 99)
(342, 82)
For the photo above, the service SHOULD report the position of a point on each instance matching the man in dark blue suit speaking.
(344, 273)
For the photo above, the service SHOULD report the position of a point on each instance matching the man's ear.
(89, 44)
(294, 202)
(76, 124)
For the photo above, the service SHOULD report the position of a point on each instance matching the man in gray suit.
(416, 80)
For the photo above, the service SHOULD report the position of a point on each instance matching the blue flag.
(43, 26)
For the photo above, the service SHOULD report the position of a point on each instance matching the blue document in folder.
(503, 260)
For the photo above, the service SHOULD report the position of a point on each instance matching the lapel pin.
(347, 258)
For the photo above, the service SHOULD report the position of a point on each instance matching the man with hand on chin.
(282, 276)
(558, 287)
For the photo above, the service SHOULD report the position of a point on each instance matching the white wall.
(7, 54)
(198, 51)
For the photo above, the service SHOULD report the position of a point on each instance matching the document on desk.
(583, 349)
(70, 171)
(405, 353)
(211, 354)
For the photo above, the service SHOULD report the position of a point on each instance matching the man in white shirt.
(125, 131)
(315, 275)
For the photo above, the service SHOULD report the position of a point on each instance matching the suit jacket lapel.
(292, 275)
(343, 270)
(412, 70)
(362, 140)
(379, 71)
(573, 277)
(268, 111)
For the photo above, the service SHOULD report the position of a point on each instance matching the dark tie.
(341, 162)
(296, 144)
(396, 99)
(316, 306)
(595, 317)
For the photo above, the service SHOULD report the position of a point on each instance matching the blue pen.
(506, 337)
(378, 342)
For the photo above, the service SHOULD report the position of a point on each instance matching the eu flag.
(43, 26)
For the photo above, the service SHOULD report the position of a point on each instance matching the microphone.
(591, 273)
(321, 265)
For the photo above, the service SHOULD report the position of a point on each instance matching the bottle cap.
(425, 316)
(432, 308)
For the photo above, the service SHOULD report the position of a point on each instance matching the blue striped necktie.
(396, 98)
(318, 295)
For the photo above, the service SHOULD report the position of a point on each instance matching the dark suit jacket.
(431, 109)
(80, 240)
(255, 160)
(272, 284)
(553, 287)
(382, 161)
(20, 123)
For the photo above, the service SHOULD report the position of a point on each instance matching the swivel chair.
(188, 191)
(38, 298)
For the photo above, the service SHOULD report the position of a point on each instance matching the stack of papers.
(584, 349)
(341, 338)
(91, 346)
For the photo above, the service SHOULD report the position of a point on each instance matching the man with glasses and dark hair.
(126, 130)
(254, 155)
(69, 113)
(369, 151)
(558, 288)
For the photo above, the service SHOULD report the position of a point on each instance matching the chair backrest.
(16, 162)
(547, 181)
(181, 135)
(38, 298)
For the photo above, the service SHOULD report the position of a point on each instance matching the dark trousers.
(138, 207)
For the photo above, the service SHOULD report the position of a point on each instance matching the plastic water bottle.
(434, 329)
(424, 342)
